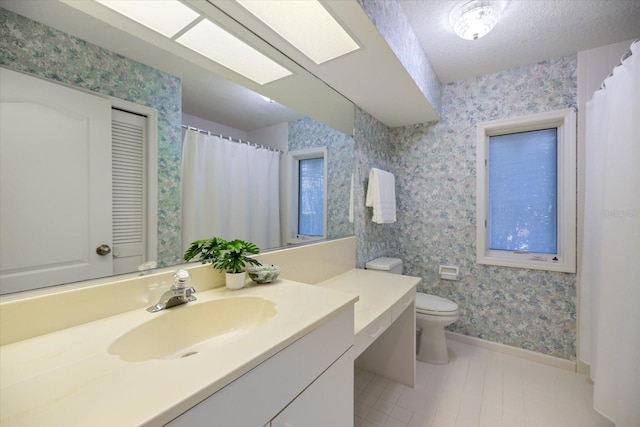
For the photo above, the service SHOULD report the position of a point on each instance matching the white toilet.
(433, 313)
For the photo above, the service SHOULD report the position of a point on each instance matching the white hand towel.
(381, 196)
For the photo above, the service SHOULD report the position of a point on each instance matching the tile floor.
(479, 388)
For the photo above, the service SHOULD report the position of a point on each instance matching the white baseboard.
(583, 368)
(601, 420)
(513, 351)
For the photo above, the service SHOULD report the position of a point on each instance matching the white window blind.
(307, 199)
(311, 197)
(522, 214)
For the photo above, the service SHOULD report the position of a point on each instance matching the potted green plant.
(230, 257)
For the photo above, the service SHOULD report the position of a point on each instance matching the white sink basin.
(185, 330)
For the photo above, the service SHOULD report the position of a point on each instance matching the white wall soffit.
(372, 77)
(393, 24)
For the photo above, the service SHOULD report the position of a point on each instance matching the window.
(526, 192)
(308, 189)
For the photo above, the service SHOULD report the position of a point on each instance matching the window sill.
(306, 239)
(518, 262)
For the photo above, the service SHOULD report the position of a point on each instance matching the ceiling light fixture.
(306, 25)
(474, 19)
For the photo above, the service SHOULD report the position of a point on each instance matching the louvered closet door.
(128, 146)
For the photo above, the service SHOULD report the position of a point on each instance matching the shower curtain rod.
(237, 140)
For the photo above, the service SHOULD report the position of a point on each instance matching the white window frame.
(565, 258)
(293, 168)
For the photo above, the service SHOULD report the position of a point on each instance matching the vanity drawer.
(402, 304)
(366, 336)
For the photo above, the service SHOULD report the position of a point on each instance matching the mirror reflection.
(167, 102)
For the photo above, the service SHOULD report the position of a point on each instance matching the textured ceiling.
(528, 31)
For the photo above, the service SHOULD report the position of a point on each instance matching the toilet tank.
(392, 265)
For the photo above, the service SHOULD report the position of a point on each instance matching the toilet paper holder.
(448, 272)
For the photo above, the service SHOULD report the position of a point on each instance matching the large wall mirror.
(57, 41)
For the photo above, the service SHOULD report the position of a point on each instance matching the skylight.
(162, 16)
(213, 42)
(175, 20)
(306, 25)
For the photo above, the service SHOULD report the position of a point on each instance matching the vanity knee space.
(433, 314)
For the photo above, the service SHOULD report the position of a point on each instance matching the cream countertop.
(68, 378)
(379, 291)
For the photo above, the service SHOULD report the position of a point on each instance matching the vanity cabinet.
(308, 383)
(328, 401)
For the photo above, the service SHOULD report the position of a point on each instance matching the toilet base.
(433, 343)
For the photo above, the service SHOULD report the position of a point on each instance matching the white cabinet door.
(55, 198)
(328, 401)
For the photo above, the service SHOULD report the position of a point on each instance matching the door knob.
(103, 250)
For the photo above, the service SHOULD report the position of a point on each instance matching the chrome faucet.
(178, 294)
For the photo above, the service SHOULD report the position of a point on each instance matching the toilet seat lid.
(433, 303)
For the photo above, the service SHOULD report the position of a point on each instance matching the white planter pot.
(236, 280)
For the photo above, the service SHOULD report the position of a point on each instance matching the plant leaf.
(233, 256)
(206, 249)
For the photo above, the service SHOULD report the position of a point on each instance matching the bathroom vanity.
(247, 377)
(293, 388)
(266, 355)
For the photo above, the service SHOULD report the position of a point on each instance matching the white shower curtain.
(610, 269)
(229, 190)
